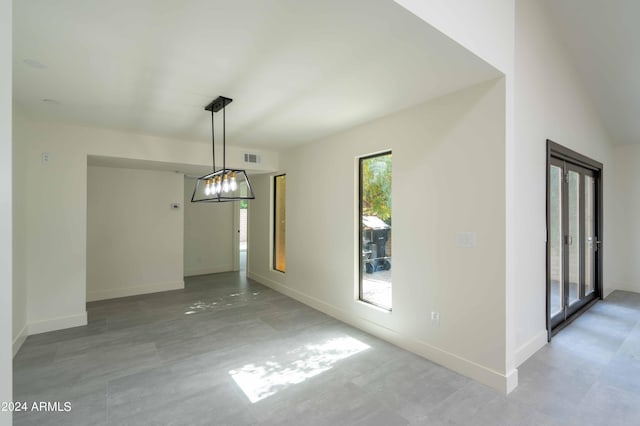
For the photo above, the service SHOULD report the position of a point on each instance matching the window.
(375, 229)
(279, 222)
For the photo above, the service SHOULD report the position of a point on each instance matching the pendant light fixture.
(224, 184)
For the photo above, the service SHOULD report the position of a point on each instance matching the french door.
(574, 233)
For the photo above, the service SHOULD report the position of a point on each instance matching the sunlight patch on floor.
(261, 380)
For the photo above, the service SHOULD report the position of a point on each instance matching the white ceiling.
(298, 70)
(603, 38)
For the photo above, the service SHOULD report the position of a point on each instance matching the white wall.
(57, 207)
(448, 177)
(625, 211)
(486, 28)
(5, 209)
(483, 27)
(19, 239)
(134, 237)
(550, 103)
(209, 235)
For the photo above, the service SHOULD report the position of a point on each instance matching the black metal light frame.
(217, 176)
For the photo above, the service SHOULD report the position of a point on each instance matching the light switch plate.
(466, 239)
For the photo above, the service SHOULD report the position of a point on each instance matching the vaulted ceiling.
(297, 70)
(603, 40)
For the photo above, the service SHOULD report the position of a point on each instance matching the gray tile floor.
(227, 351)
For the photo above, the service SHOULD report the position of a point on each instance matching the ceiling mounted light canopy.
(224, 184)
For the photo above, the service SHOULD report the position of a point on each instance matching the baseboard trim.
(511, 381)
(54, 324)
(530, 347)
(211, 270)
(19, 340)
(115, 293)
(501, 382)
(270, 283)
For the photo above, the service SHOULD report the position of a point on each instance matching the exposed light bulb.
(207, 188)
(218, 184)
(233, 183)
(225, 183)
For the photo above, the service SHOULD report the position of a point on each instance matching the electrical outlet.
(435, 318)
(46, 157)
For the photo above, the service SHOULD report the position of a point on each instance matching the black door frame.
(559, 152)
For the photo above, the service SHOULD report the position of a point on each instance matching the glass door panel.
(555, 240)
(590, 243)
(573, 237)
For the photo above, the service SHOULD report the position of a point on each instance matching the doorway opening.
(242, 217)
(574, 235)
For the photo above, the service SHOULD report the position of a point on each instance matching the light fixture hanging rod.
(214, 106)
